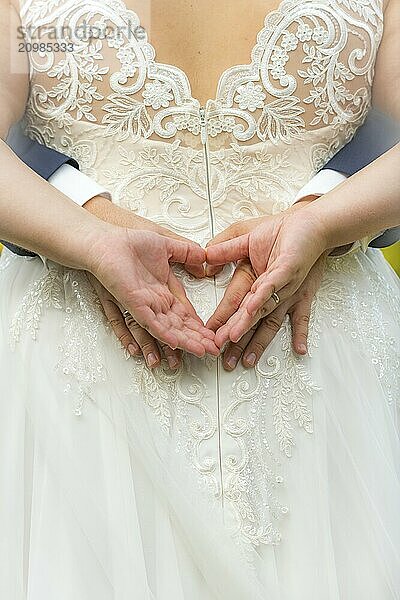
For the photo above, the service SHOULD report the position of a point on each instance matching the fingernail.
(251, 359)
(132, 350)
(173, 362)
(303, 349)
(151, 359)
(232, 362)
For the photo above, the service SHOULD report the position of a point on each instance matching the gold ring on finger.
(275, 298)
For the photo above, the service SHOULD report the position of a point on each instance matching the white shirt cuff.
(76, 185)
(322, 183)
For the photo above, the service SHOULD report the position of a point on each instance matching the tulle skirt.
(103, 497)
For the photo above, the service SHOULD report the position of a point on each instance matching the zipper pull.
(203, 125)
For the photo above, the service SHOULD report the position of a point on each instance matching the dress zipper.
(204, 141)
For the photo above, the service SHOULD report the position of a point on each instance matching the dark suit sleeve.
(378, 135)
(44, 161)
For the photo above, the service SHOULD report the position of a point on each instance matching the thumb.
(196, 269)
(236, 291)
(177, 289)
(228, 251)
(233, 231)
(185, 252)
(229, 233)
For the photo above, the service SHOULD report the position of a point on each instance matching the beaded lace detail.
(260, 413)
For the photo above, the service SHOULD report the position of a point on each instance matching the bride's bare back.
(203, 38)
(272, 71)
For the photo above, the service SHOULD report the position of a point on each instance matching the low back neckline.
(276, 97)
(225, 73)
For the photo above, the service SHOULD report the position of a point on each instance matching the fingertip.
(134, 350)
(197, 349)
(252, 306)
(174, 345)
(214, 256)
(211, 271)
(174, 362)
(229, 363)
(250, 360)
(236, 333)
(215, 351)
(221, 338)
(210, 335)
(213, 325)
(210, 345)
(153, 360)
(235, 337)
(197, 254)
(197, 271)
(301, 349)
(210, 325)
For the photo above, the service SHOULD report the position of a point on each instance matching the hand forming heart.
(135, 269)
(277, 248)
(287, 254)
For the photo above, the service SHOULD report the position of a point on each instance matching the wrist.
(318, 227)
(96, 241)
(98, 206)
(326, 223)
(105, 210)
(306, 200)
(302, 203)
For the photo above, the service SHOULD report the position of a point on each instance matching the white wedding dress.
(279, 483)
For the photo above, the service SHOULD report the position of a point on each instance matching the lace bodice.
(273, 123)
(134, 125)
(311, 67)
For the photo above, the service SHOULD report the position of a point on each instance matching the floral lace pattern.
(44, 293)
(260, 412)
(133, 124)
(342, 299)
(310, 53)
(261, 183)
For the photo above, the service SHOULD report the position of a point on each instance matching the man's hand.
(134, 266)
(136, 340)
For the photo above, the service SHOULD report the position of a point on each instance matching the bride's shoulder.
(9, 5)
(15, 4)
(386, 3)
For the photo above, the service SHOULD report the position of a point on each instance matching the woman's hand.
(231, 233)
(136, 340)
(263, 330)
(282, 250)
(109, 212)
(235, 239)
(134, 266)
(252, 345)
